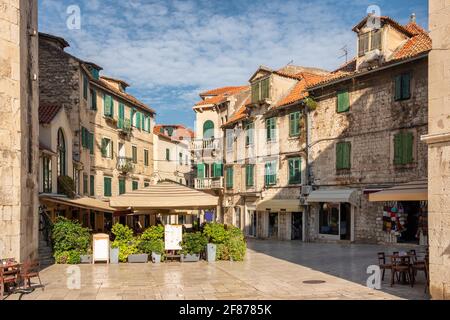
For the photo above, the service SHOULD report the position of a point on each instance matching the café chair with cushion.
(401, 267)
(382, 264)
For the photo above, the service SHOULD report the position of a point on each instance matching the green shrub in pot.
(70, 240)
(193, 243)
(125, 241)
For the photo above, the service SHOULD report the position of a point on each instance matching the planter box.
(138, 258)
(114, 255)
(190, 257)
(156, 258)
(86, 258)
(211, 252)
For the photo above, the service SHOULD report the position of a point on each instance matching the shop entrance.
(335, 221)
(412, 211)
(345, 219)
(273, 225)
(297, 226)
(252, 223)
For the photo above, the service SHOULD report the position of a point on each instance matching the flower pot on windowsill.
(156, 257)
(86, 258)
(190, 257)
(138, 258)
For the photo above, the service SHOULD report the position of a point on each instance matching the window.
(403, 148)
(85, 184)
(230, 140)
(108, 106)
(369, 41)
(138, 120)
(208, 130)
(270, 173)
(343, 101)
(121, 123)
(403, 87)
(47, 174)
(145, 157)
(217, 170)
(146, 184)
(76, 179)
(167, 154)
(134, 154)
(250, 175)
(270, 129)
(186, 160)
(85, 87)
(135, 185)
(91, 143)
(180, 155)
(201, 172)
(261, 90)
(107, 148)
(181, 219)
(93, 99)
(294, 124)
(61, 154)
(84, 137)
(256, 92)
(107, 187)
(295, 171)
(343, 154)
(132, 117)
(249, 134)
(92, 186)
(229, 181)
(122, 186)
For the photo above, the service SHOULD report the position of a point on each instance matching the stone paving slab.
(263, 275)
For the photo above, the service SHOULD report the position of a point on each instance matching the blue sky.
(170, 51)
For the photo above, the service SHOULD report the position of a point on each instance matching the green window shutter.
(143, 121)
(108, 102)
(91, 186)
(201, 170)
(343, 101)
(339, 155)
(94, 99)
(256, 92)
(104, 148)
(91, 143)
(265, 88)
(135, 185)
(398, 87)
(120, 124)
(408, 144)
(217, 170)
(167, 155)
(406, 86)
(138, 120)
(347, 155)
(270, 129)
(295, 171)
(294, 124)
(85, 87)
(107, 187)
(122, 187)
(132, 115)
(148, 124)
(398, 149)
(230, 177)
(266, 174)
(249, 175)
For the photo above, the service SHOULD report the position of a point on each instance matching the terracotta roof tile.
(221, 95)
(181, 132)
(239, 115)
(218, 91)
(48, 113)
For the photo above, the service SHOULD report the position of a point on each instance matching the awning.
(279, 205)
(334, 196)
(84, 203)
(165, 195)
(412, 191)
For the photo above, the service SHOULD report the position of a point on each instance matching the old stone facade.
(112, 132)
(438, 141)
(18, 130)
(369, 124)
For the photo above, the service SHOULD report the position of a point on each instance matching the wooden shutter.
(376, 40)
(294, 124)
(347, 155)
(132, 114)
(91, 143)
(398, 87)
(107, 105)
(85, 87)
(406, 86)
(104, 148)
(408, 144)
(121, 186)
(107, 187)
(343, 101)
(265, 94)
(398, 149)
(363, 42)
(255, 92)
(146, 157)
(143, 121)
(94, 99)
(230, 177)
(201, 170)
(121, 115)
(138, 120)
(91, 186)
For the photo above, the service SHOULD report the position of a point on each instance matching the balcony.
(124, 126)
(207, 144)
(125, 165)
(209, 183)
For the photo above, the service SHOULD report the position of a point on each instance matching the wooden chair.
(7, 277)
(421, 265)
(29, 270)
(401, 266)
(413, 253)
(382, 264)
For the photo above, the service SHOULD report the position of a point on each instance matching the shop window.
(329, 219)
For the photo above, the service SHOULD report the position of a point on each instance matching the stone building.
(172, 157)
(364, 137)
(438, 140)
(108, 149)
(19, 127)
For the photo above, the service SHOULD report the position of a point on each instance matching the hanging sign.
(173, 235)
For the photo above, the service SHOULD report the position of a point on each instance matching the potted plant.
(86, 258)
(193, 244)
(216, 234)
(152, 243)
(124, 241)
(70, 241)
(138, 257)
(114, 254)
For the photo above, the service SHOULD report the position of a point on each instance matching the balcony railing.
(205, 144)
(209, 183)
(125, 165)
(124, 125)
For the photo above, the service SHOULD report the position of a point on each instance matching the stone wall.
(439, 150)
(370, 125)
(19, 129)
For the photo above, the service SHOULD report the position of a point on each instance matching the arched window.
(61, 154)
(208, 130)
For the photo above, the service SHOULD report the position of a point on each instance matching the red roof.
(238, 115)
(180, 132)
(220, 95)
(48, 113)
(218, 91)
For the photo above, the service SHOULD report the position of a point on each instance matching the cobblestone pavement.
(272, 270)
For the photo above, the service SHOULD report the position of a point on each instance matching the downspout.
(307, 167)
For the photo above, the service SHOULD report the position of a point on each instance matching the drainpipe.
(308, 173)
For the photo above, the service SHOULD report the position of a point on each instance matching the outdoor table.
(11, 269)
(403, 258)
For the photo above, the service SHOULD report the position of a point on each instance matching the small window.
(107, 187)
(229, 180)
(294, 124)
(145, 157)
(250, 175)
(249, 134)
(108, 106)
(135, 185)
(134, 154)
(146, 184)
(230, 140)
(343, 101)
(186, 160)
(167, 154)
(403, 87)
(343, 155)
(403, 148)
(47, 174)
(93, 99)
(270, 129)
(122, 186)
(85, 184)
(295, 171)
(92, 186)
(270, 173)
(107, 148)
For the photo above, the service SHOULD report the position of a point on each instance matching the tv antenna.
(345, 50)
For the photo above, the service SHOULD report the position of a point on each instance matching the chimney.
(413, 18)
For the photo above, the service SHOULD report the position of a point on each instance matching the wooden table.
(10, 270)
(403, 258)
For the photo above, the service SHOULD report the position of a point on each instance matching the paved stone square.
(272, 270)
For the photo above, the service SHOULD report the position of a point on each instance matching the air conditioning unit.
(306, 190)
